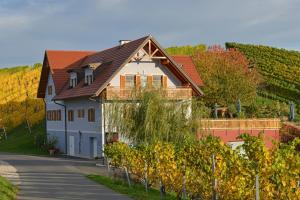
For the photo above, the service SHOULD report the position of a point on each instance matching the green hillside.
(186, 50)
(280, 69)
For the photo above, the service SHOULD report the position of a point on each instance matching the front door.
(93, 147)
(71, 145)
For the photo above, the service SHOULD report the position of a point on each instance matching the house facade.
(76, 86)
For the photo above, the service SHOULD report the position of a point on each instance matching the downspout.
(65, 108)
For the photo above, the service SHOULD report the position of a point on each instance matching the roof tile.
(189, 68)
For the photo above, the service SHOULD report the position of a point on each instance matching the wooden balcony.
(172, 93)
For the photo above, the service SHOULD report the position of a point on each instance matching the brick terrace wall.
(229, 129)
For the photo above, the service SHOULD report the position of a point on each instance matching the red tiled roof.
(59, 62)
(189, 68)
(112, 60)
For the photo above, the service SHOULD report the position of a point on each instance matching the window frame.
(91, 115)
(133, 81)
(154, 81)
(58, 115)
(53, 115)
(89, 79)
(50, 90)
(73, 82)
(80, 113)
(70, 115)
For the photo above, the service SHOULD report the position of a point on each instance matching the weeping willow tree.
(149, 116)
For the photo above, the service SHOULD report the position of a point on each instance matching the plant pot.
(51, 152)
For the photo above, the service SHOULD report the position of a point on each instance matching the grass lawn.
(21, 141)
(7, 190)
(136, 191)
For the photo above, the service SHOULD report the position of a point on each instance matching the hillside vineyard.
(18, 102)
(280, 69)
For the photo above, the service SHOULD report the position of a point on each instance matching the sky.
(29, 27)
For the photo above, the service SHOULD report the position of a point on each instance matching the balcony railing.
(173, 93)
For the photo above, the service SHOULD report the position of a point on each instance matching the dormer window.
(89, 77)
(73, 79)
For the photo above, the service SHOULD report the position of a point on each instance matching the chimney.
(122, 42)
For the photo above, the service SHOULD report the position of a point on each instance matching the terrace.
(172, 93)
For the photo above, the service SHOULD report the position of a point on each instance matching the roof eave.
(56, 98)
(196, 88)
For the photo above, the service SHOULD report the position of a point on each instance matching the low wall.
(229, 129)
(290, 131)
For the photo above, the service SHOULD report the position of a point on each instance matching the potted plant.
(51, 144)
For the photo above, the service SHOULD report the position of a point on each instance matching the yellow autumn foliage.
(18, 102)
(187, 169)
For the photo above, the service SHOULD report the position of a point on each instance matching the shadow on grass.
(20, 141)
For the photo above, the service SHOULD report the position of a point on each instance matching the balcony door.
(71, 145)
(143, 80)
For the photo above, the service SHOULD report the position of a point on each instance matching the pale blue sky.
(28, 27)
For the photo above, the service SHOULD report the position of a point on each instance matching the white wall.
(82, 124)
(146, 67)
(50, 105)
(48, 98)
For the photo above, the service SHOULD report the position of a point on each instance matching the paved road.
(42, 178)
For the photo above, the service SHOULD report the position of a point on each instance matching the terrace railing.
(172, 93)
(241, 124)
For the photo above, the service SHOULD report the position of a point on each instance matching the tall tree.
(227, 76)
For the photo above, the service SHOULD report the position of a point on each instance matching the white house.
(77, 84)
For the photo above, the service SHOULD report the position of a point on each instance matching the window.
(73, 82)
(54, 115)
(89, 76)
(73, 79)
(91, 115)
(89, 79)
(70, 115)
(59, 115)
(80, 113)
(129, 81)
(50, 90)
(157, 81)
